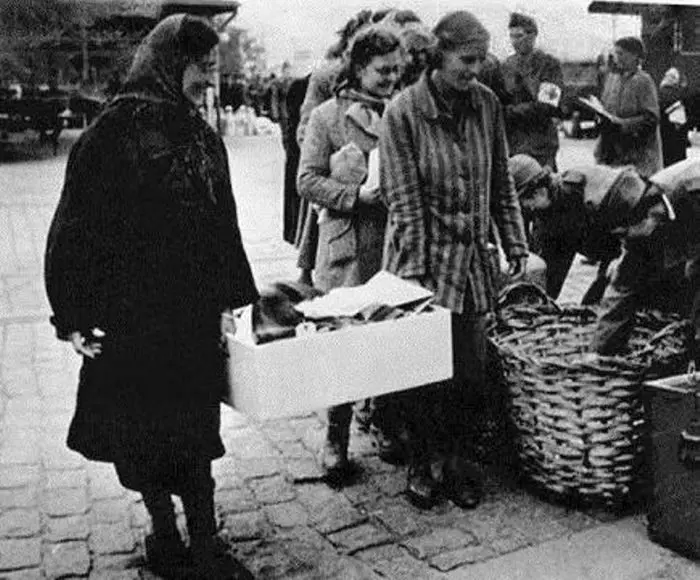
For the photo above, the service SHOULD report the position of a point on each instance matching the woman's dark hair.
(345, 34)
(399, 17)
(375, 40)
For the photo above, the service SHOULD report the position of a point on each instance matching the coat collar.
(429, 102)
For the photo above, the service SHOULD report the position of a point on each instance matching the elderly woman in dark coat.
(341, 134)
(145, 246)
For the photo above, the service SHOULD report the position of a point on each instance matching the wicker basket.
(579, 423)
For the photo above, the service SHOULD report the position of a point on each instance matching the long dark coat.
(145, 245)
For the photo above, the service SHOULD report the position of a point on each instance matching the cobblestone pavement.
(64, 517)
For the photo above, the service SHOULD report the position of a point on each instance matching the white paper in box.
(287, 377)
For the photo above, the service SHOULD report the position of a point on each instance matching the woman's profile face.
(382, 74)
(198, 75)
(625, 60)
(461, 66)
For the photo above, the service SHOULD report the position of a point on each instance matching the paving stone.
(281, 431)
(18, 476)
(263, 467)
(67, 528)
(303, 469)
(272, 490)
(116, 575)
(305, 543)
(407, 567)
(293, 449)
(113, 563)
(507, 540)
(329, 510)
(22, 497)
(450, 560)
(20, 454)
(110, 511)
(19, 523)
(359, 537)
(379, 553)
(111, 539)
(56, 456)
(246, 526)
(32, 574)
(345, 568)
(139, 514)
(235, 500)
(400, 517)
(287, 515)
(65, 502)
(438, 541)
(105, 486)
(65, 478)
(16, 554)
(67, 559)
(270, 560)
(249, 444)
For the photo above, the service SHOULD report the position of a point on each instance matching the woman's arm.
(313, 179)
(400, 186)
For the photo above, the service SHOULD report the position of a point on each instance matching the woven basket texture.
(578, 421)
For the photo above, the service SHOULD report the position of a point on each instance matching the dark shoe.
(466, 495)
(212, 560)
(167, 557)
(464, 482)
(421, 488)
(393, 448)
(334, 458)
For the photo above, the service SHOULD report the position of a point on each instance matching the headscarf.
(461, 29)
(159, 64)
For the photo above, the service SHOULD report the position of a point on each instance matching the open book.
(594, 104)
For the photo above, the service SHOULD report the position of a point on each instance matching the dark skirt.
(151, 407)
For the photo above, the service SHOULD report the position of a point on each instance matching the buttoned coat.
(443, 183)
(350, 233)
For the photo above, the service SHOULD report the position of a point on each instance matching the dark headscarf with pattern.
(160, 61)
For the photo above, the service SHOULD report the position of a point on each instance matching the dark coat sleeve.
(79, 237)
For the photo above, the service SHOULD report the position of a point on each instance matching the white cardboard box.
(296, 375)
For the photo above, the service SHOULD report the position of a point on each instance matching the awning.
(633, 7)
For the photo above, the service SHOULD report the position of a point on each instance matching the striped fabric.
(443, 183)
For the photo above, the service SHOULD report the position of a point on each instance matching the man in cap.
(577, 211)
(444, 176)
(660, 264)
(533, 81)
(630, 134)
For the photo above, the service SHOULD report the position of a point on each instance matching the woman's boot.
(334, 459)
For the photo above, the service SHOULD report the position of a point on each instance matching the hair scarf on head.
(159, 65)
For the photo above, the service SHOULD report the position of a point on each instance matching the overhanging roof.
(633, 7)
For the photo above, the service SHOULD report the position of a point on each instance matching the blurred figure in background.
(631, 135)
(673, 122)
(533, 79)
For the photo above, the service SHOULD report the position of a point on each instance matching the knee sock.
(198, 501)
(160, 508)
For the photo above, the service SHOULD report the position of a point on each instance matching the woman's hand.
(517, 267)
(87, 347)
(228, 323)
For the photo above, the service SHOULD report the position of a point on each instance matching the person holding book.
(629, 129)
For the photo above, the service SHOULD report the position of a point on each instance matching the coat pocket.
(340, 235)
